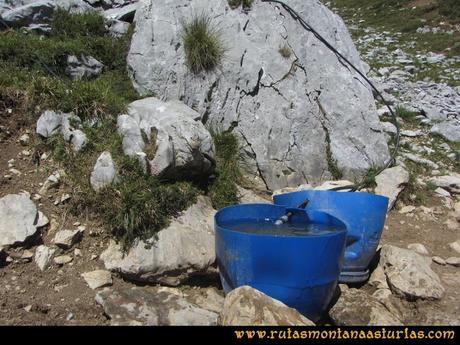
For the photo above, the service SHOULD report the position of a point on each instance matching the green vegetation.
(237, 3)
(285, 51)
(369, 178)
(204, 49)
(223, 191)
(32, 69)
(407, 115)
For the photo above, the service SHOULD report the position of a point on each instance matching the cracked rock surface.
(298, 117)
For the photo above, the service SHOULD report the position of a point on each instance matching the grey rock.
(62, 260)
(356, 308)
(97, 279)
(125, 13)
(71, 132)
(416, 159)
(448, 182)
(182, 144)
(455, 246)
(67, 238)
(117, 28)
(28, 14)
(418, 248)
(185, 248)
(453, 261)
(282, 110)
(83, 67)
(52, 181)
(246, 306)
(18, 215)
(24, 139)
(438, 260)
(104, 172)
(154, 306)
(248, 196)
(48, 122)
(391, 182)
(409, 274)
(378, 278)
(43, 256)
(42, 220)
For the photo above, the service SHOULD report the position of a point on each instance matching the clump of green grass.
(369, 178)
(237, 3)
(285, 51)
(223, 190)
(406, 115)
(204, 49)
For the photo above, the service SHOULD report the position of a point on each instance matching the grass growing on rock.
(204, 49)
(223, 191)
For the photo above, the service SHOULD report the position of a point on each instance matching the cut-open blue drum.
(297, 263)
(364, 216)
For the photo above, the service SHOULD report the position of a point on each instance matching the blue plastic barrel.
(364, 216)
(301, 271)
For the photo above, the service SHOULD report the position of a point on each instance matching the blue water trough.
(298, 263)
(364, 216)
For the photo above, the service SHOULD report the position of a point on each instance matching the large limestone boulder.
(185, 248)
(169, 136)
(246, 306)
(18, 219)
(155, 306)
(357, 308)
(409, 274)
(297, 116)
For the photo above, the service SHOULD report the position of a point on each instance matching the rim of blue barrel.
(383, 197)
(343, 227)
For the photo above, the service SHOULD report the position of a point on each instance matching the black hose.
(307, 27)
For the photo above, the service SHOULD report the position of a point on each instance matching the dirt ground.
(60, 296)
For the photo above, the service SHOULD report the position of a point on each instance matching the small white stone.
(407, 209)
(438, 260)
(63, 259)
(455, 246)
(98, 278)
(453, 261)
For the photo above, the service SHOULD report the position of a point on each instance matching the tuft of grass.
(406, 115)
(285, 51)
(369, 178)
(223, 190)
(204, 49)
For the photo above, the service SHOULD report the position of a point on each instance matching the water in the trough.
(268, 227)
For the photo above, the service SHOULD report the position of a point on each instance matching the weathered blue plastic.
(364, 216)
(300, 271)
